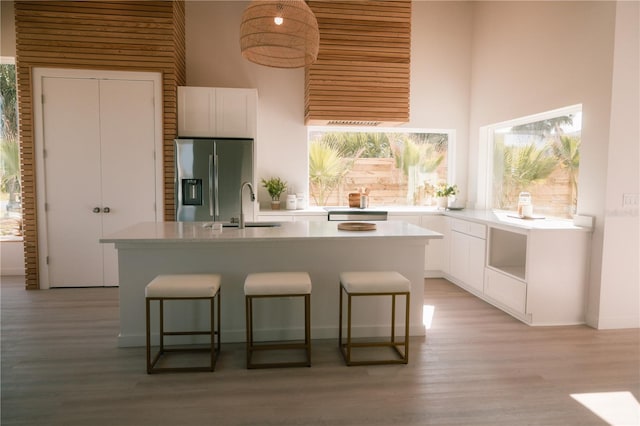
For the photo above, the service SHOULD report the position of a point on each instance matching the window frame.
(451, 145)
(485, 151)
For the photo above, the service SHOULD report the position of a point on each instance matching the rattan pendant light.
(279, 34)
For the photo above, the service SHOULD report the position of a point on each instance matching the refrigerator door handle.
(211, 185)
(215, 186)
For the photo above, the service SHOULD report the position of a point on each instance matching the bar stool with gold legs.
(272, 285)
(184, 287)
(371, 283)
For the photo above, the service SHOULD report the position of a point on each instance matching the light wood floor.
(476, 366)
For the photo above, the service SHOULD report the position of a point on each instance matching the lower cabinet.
(290, 216)
(275, 218)
(506, 290)
(436, 256)
(467, 254)
(539, 276)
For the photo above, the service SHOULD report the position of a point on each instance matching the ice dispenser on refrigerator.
(192, 192)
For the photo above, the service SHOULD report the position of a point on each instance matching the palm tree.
(364, 145)
(439, 141)
(10, 169)
(415, 159)
(8, 105)
(567, 151)
(9, 146)
(327, 167)
(522, 166)
(544, 128)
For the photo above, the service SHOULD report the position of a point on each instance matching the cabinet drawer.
(470, 228)
(505, 289)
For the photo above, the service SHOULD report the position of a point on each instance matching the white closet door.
(99, 138)
(72, 179)
(127, 152)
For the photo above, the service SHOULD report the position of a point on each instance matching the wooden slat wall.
(114, 35)
(362, 73)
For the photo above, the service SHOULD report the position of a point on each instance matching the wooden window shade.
(361, 76)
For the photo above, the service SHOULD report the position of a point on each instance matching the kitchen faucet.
(253, 198)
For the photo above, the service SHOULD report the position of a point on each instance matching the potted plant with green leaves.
(444, 193)
(275, 187)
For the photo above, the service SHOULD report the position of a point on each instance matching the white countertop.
(490, 217)
(322, 211)
(506, 218)
(198, 232)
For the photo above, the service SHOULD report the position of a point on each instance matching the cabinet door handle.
(96, 209)
(106, 210)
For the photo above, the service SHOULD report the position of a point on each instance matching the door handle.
(96, 209)
(106, 210)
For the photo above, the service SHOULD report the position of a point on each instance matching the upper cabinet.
(217, 112)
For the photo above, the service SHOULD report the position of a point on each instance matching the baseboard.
(433, 274)
(612, 323)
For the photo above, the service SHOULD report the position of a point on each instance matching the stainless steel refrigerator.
(209, 174)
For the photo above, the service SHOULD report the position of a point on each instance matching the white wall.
(12, 258)
(441, 74)
(530, 57)
(620, 290)
(439, 81)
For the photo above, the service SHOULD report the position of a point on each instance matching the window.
(395, 167)
(539, 155)
(10, 206)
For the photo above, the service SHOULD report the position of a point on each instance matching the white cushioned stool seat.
(269, 285)
(187, 286)
(375, 282)
(276, 283)
(183, 289)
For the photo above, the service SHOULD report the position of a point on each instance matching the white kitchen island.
(319, 248)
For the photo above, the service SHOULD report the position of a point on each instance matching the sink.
(253, 225)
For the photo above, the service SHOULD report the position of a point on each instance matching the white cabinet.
(436, 256)
(409, 218)
(236, 112)
(505, 277)
(537, 275)
(467, 254)
(217, 112)
(291, 216)
(311, 217)
(506, 289)
(429, 270)
(275, 218)
(196, 111)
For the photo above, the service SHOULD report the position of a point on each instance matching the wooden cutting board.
(357, 226)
